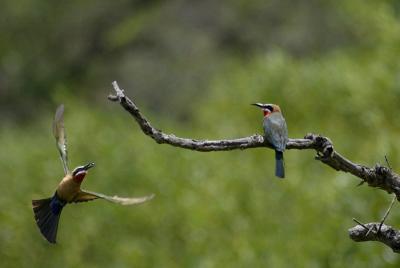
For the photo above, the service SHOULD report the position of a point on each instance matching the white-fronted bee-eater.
(276, 133)
(47, 211)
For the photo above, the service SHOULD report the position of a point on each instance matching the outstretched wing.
(84, 196)
(61, 138)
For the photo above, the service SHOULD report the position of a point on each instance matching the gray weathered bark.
(378, 176)
(369, 232)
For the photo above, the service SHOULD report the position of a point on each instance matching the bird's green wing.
(85, 195)
(61, 139)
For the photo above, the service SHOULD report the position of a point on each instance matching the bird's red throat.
(266, 112)
(80, 176)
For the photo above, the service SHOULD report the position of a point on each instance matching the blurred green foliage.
(194, 68)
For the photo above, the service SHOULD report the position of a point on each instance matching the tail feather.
(47, 214)
(279, 165)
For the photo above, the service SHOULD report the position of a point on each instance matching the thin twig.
(387, 213)
(370, 230)
(387, 162)
(360, 223)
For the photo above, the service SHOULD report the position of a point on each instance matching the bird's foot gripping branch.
(379, 176)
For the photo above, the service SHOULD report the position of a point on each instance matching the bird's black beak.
(88, 166)
(258, 104)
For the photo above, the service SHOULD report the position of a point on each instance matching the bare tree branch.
(370, 232)
(377, 231)
(378, 176)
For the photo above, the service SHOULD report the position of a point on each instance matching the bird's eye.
(76, 170)
(269, 107)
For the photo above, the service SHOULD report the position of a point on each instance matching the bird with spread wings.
(47, 211)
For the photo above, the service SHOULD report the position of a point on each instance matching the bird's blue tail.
(47, 214)
(279, 165)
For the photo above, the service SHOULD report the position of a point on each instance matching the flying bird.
(47, 211)
(276, 133)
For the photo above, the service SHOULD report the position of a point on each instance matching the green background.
(194, 68)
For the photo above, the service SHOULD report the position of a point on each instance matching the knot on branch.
(382, 171)
(380, 177)
(322, 145)
(258, 139)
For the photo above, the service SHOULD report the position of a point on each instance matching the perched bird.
(276, 133)
(47, 211)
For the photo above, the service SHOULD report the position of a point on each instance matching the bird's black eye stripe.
(269, 107)
(77, 170)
